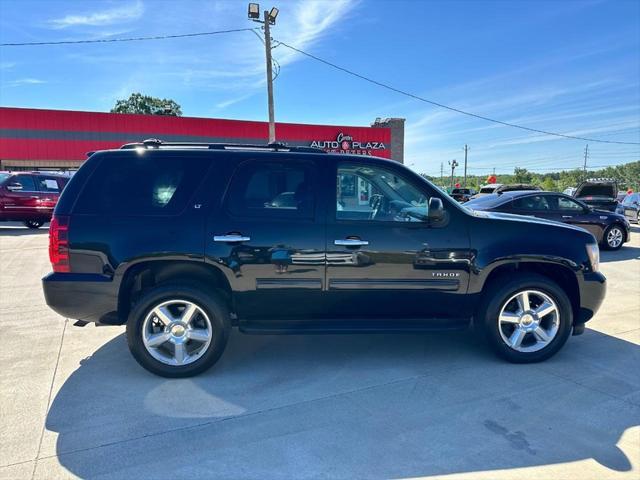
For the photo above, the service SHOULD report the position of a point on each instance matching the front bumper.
(81, 296)
(593, 288)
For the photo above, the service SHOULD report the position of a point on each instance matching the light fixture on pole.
(269, 19)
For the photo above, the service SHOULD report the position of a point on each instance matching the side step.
(304, 327)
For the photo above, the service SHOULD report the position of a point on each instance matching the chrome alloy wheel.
(177, 332)
(529, 321)
(614, 237)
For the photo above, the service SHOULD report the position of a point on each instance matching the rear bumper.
(80, 296)
(593, 288)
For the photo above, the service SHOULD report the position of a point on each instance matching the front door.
(385, 259)
(268, 237)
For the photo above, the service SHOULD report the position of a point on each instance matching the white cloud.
(124, 13)
(23, 81)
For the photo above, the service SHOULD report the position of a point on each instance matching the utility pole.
(584, 167)
(267, 46)
(269, 19)
(453, 164)
(442, 174)
(466, 149)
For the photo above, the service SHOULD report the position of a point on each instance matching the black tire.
(499, 292)
(605, 242)
(33, 224)
(214, 307)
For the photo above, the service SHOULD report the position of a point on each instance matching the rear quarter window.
(141, 185)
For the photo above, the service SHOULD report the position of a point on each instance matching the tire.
(33, 224)
(210, 317)
(498, 303)
(611, 240)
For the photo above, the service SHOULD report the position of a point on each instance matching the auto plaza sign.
(346, 144)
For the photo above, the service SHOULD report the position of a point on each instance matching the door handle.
(231, 238)
(567, 216)
(351, 242)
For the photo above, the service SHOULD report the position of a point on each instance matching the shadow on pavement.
(350, 406)
(627, 252)
(19, 231)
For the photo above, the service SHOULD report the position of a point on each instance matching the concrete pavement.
(74, 403)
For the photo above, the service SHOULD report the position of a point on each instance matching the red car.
(29, 197)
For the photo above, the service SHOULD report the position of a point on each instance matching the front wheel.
(527, 319)
(178, 331)
(33, 224)
(613, 237)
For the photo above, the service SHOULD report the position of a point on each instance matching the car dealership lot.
(74, 403)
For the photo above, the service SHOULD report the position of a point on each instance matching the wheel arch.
(561, 274)
(142, 276)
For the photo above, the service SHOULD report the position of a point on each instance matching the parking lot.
(75, 404)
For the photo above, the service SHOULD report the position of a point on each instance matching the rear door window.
(532, 203)
(142, 185)
(272, 189)
(48, 185)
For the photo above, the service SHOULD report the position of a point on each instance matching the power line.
(129, 39)
(441, 105)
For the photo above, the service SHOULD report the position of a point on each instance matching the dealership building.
(32, 139)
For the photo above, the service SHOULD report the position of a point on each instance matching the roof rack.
(154, 143)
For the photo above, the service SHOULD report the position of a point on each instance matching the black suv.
(183, 242)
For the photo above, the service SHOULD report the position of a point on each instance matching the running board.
(304, 327)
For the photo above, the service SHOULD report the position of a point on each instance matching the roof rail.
(152, 143)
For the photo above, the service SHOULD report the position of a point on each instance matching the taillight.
(59, 243)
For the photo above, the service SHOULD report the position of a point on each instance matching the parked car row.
(610, 229)
(29, 197)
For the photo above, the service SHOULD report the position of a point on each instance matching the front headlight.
(593, 252)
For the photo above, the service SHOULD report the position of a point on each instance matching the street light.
(269, 19)
(254, 11)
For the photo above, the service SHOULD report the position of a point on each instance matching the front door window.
(376, 194)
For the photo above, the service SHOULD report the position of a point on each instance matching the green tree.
(521, 175)
(548, 184)
(147, 105)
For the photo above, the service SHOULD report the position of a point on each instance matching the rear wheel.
(178, 331)
(613, 237)
(33, 224)
(527, 319)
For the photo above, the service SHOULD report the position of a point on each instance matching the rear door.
(631, 205)
(268, 236)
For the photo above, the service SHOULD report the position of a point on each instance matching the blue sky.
(566, 66)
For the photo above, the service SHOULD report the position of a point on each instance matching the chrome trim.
(230, 238)
(351, 242)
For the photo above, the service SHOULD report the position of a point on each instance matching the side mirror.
(436, 209)
(14, 186)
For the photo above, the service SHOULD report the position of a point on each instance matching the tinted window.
(566, 204)
(380, 195)
(145, 184)
(272, 189)
(27, 182)
(533, 202)
(48, 184)
(487, 189)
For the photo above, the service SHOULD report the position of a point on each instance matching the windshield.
(3, 177)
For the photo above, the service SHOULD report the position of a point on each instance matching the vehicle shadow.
(625, 253)
(351, 406)
(19, 231)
